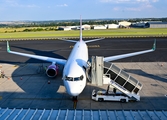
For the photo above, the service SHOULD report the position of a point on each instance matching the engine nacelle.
(52, 71)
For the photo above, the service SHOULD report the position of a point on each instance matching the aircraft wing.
(49, 59)
(117, 57)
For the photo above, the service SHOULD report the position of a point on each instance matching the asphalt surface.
(25, 84)
(106, 47)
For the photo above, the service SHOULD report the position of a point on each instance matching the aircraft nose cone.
(72, 89)
(73, 93)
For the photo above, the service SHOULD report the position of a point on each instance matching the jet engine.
(52, 70)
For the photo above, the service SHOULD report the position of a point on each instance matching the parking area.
(27, 86)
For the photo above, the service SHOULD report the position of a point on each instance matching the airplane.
(74, 72)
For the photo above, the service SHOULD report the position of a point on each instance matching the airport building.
(150, 24)
(124, 24)
(86, 27)
(112, 26)
(66, 28)
(157, 24)
(99, 27)
(140, 25)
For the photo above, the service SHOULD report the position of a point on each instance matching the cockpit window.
(74, 78)
(69, 78)
(81, 77)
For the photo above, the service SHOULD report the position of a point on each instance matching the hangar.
(140, 25)
(86, 27)
(151, 24)
(66, 28)
(157, 24)
(99, 27)
(124, 24)
(112, 26)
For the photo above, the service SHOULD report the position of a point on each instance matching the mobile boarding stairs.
(108, 73)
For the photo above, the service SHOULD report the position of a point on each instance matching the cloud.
(142, 0)
(14, 3)
(25, 6)
(155, 0)
(32, 6)
(62, 5)
(116, 8)
(131, 5)
(127, 9)
(127, 1)
(148, 5)
(139, 7)
(115, 1)
(132, 9)
(148, 1)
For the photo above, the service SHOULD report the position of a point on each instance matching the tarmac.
(26, 86)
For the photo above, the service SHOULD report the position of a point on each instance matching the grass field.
(87, 33)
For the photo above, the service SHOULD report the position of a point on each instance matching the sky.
(18, 10)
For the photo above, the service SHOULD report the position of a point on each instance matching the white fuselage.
(74, 76)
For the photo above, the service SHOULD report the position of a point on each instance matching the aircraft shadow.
(28, 81)
(147, 75)
(41, 53)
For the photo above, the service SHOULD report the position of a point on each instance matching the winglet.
(8, 48)
(154, 45)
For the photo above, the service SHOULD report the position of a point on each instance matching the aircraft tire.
(123, 100)
(100, 99)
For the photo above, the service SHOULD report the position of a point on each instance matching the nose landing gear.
(75, 100)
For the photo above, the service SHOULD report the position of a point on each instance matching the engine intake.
(52, 71)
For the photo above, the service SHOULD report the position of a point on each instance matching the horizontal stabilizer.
(93, 40)
(85, 41)
(69, 40)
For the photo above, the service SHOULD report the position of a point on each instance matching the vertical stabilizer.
(80, 28)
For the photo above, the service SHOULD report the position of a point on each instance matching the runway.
(26, 85)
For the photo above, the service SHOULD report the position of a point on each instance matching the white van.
(109, 96)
